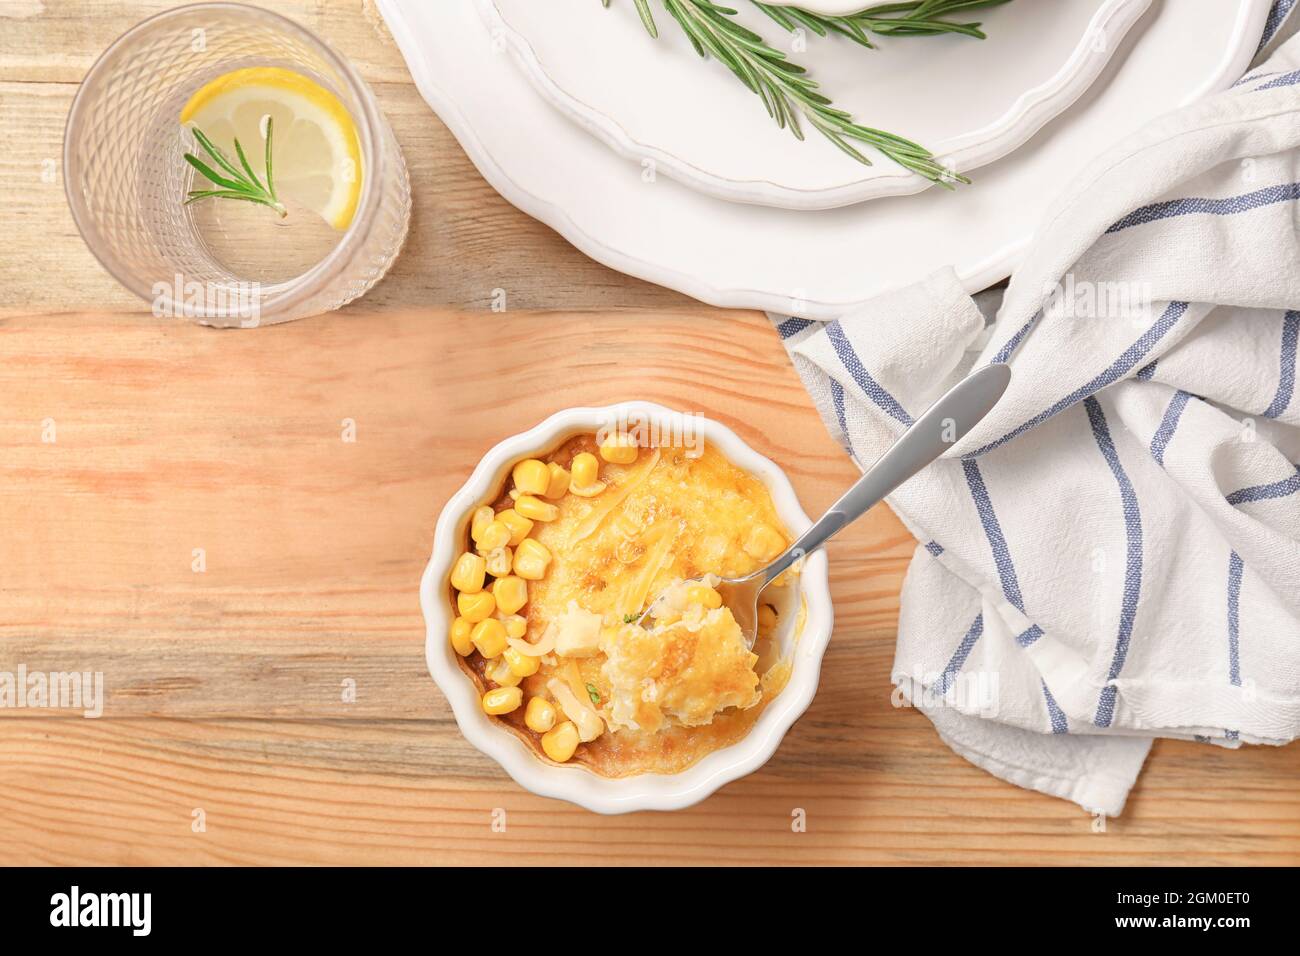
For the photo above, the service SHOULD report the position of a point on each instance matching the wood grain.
(465, 240)
(225, 686)
(874, 783)
(171, 437)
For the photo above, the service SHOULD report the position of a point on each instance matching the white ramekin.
(648, 791)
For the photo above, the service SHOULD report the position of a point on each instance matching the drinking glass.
(126, 178)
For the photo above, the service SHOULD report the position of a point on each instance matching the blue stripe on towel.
(1059, 724)
(1235, 569)
(1286, 79)
(1113, 373)
(958, 659)
(1275, 18)
(873, 390)
(1284, 192)
(1007, 574)
(935, 548)
(993, 531)
(1286, 366)
(1132, 559)
(837, 399)
(998, 544)
(1029, 636)
(1168, 425)
(1146, 371)
(1276, 489)
(793, 326)
(1013, 343)
(1252, 78)
(1106, 706)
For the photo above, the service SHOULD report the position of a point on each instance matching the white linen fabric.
(1113, 554)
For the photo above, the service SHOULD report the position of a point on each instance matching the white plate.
(969, 101)
(814, 264)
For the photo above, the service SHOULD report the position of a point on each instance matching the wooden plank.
(465, 240)
(875, 790)
(59, 41)
(170, 438)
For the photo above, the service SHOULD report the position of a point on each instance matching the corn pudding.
(557, 571)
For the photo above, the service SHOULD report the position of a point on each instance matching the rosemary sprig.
(912, 18)
(786, 90)
(237, 182)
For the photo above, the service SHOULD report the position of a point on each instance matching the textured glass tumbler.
(126, 180)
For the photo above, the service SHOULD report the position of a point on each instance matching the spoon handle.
(942, 424)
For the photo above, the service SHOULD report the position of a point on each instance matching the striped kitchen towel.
(1113, 554)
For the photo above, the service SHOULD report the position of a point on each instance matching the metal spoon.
(942, 424)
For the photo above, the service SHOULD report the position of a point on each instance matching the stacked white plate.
(663, 166)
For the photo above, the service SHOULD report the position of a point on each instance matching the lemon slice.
(315, 150)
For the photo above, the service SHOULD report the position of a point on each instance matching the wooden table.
(200, 531)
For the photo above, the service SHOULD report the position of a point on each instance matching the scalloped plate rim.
(967, 151)
(708, 283)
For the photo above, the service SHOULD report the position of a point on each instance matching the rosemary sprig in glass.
(786, 90)
(914, 18)
(236, 183)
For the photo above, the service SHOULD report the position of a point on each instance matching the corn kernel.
(489, 636)
(536, 508)
(539, 716)
(521, 665)
(619, 450)
(560, 741)
(586, 469)
(467, 573)
(767, 618)
(559, 482)
(495, 535)
(499, 562)
(519, 525)
(703, 594)
(534, 548)
(530, 569)
(587, 491)
(502, 700)
(516, 625)
(532, 477)
(531, 560)
(511, 593)
(476, 607)
(501, 674)
(482, 517)
(460, 641)
(764, 542)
